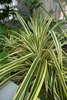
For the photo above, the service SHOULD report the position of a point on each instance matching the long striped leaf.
(56, 97)
(58, 47)
(60, 74)
(9, 70)
(13, 65)
(10, 77)
(62, 9)
(14, 62)
(23, 23)
(22, 88)
(38, 82)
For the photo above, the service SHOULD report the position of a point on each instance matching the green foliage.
(66, 1)
(38, 63)
(3, 29)
(5, 1)
(62, 10)
(26, 2)
(36, 59)
(2, 55)
(5, 11)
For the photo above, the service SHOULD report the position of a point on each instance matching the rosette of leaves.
(40, 63)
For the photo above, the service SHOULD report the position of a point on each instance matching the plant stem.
(62, 9)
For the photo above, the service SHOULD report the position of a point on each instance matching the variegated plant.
(40, 62)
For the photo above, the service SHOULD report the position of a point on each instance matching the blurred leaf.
(2, 55)
(27, 2)
(66, 1)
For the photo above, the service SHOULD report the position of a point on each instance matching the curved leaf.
(22, 88)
